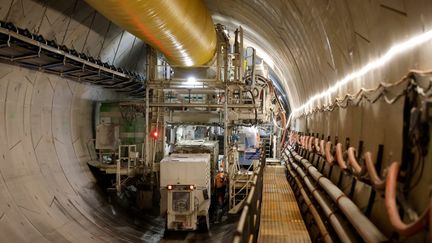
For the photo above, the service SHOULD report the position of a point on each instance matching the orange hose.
(322, 147)
(311, 139)
(329, 157)
(358, 170)
(392, 210)
(374, 177)
(339, 157)
(317, 145)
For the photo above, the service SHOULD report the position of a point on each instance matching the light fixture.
(379, 62)
(169, 187)
(191, 80)
(191, 187)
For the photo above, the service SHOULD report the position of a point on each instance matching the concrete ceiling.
(310, 44)
(315, 43)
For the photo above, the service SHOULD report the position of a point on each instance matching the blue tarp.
(245, 158)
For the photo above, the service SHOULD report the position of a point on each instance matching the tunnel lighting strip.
(390, 54)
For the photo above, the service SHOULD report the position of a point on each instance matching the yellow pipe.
(181, 29)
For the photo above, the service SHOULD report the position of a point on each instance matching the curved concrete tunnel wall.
(47, 192)
(316, 43)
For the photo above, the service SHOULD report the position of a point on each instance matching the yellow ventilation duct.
(181, 29)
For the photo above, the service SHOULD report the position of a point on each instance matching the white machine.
(186, 179)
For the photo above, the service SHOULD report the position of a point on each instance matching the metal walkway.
(281, 220)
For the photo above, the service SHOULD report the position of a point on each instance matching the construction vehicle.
(187, 182)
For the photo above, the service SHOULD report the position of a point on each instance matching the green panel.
(109, 107)
(131, 132)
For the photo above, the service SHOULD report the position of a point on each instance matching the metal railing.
(248, 226)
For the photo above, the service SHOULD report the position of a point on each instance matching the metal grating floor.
(281, 220)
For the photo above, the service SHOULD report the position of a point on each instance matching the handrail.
(248, 225)
(392, 210)
(329, 157)
(339, 157)
(238, 237)
(374, 177)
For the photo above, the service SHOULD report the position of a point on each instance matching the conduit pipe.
(337, 224)
(182, 30)
(284, 121)
(365, 228)
(392, 210)
(317, 218)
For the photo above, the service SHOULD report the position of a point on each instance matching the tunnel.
(355, 73)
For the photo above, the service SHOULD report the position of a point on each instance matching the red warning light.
(155, 134)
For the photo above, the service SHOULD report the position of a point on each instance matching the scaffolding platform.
(281, 220)
(112, 168)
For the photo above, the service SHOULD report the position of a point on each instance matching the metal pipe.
(317, 218)
(241, 225)
(226, 134)
(392, 209)
(366, 229)
(335, 221)
(147, 128)
(241, 53)
(202, 105)
(182, 30)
